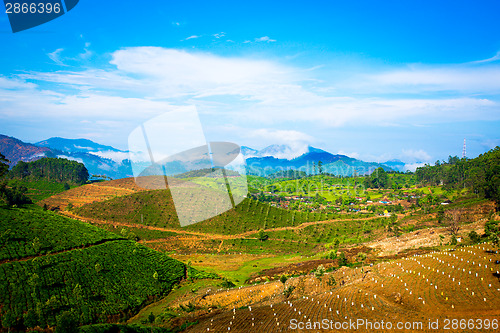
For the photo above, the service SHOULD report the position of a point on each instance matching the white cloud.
(112, 155)
(416, 155)
(265, 39)
(247, 92)
(9, 83)
(219, 35)
(413, 166)
(496, 57)
(192, 37)
(296, 141)
(55, 56)
(419, 78)
(353, 154)
(79, 160)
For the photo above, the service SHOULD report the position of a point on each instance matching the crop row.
(95, 283)
(28, 232)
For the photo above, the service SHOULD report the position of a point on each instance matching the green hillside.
(156, 208)
(33, 232)
(53, 265)
(40, 189)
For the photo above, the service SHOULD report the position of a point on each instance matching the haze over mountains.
(111, 162)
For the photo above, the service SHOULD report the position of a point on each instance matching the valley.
(299, 253)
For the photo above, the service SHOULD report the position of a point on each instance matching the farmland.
(71, 267)
(438, 285)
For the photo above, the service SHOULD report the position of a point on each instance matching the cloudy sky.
(372, 80)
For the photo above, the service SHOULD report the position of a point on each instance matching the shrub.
(474, 237)
(288, 291)
(342, 260)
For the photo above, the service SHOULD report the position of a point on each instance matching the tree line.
(480, 174)
(50, 169)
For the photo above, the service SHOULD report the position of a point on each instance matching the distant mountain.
(309, 162)
(76, 145)
(111, 162)
(97, 158)
(277, 151)
(396, 165)
(16, 150)
(248, 152)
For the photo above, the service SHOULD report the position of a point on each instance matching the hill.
(94, 192)
(76, 145)
(156, 208)
(52, 265)
(98, 159)
(15, 150)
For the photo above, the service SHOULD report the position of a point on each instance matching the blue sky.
(373, 80)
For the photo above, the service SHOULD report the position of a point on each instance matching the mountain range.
(273, 159)
(114, 163)
(98, 159)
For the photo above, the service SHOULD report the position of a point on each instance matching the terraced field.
(460, 284)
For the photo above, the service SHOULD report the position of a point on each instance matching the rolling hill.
(155, 208)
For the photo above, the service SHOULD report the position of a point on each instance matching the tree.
(51, 169)
(454, 217)
(14, 195)
(379, 179)
(474, 237)
(4, 166)
(283, 279)
(320, 167)
(30, 319)
(491, 228)
(320, 271)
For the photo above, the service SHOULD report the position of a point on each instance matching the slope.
(52, 264)
(156, 208)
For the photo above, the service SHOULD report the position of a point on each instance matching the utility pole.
(464, 155)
